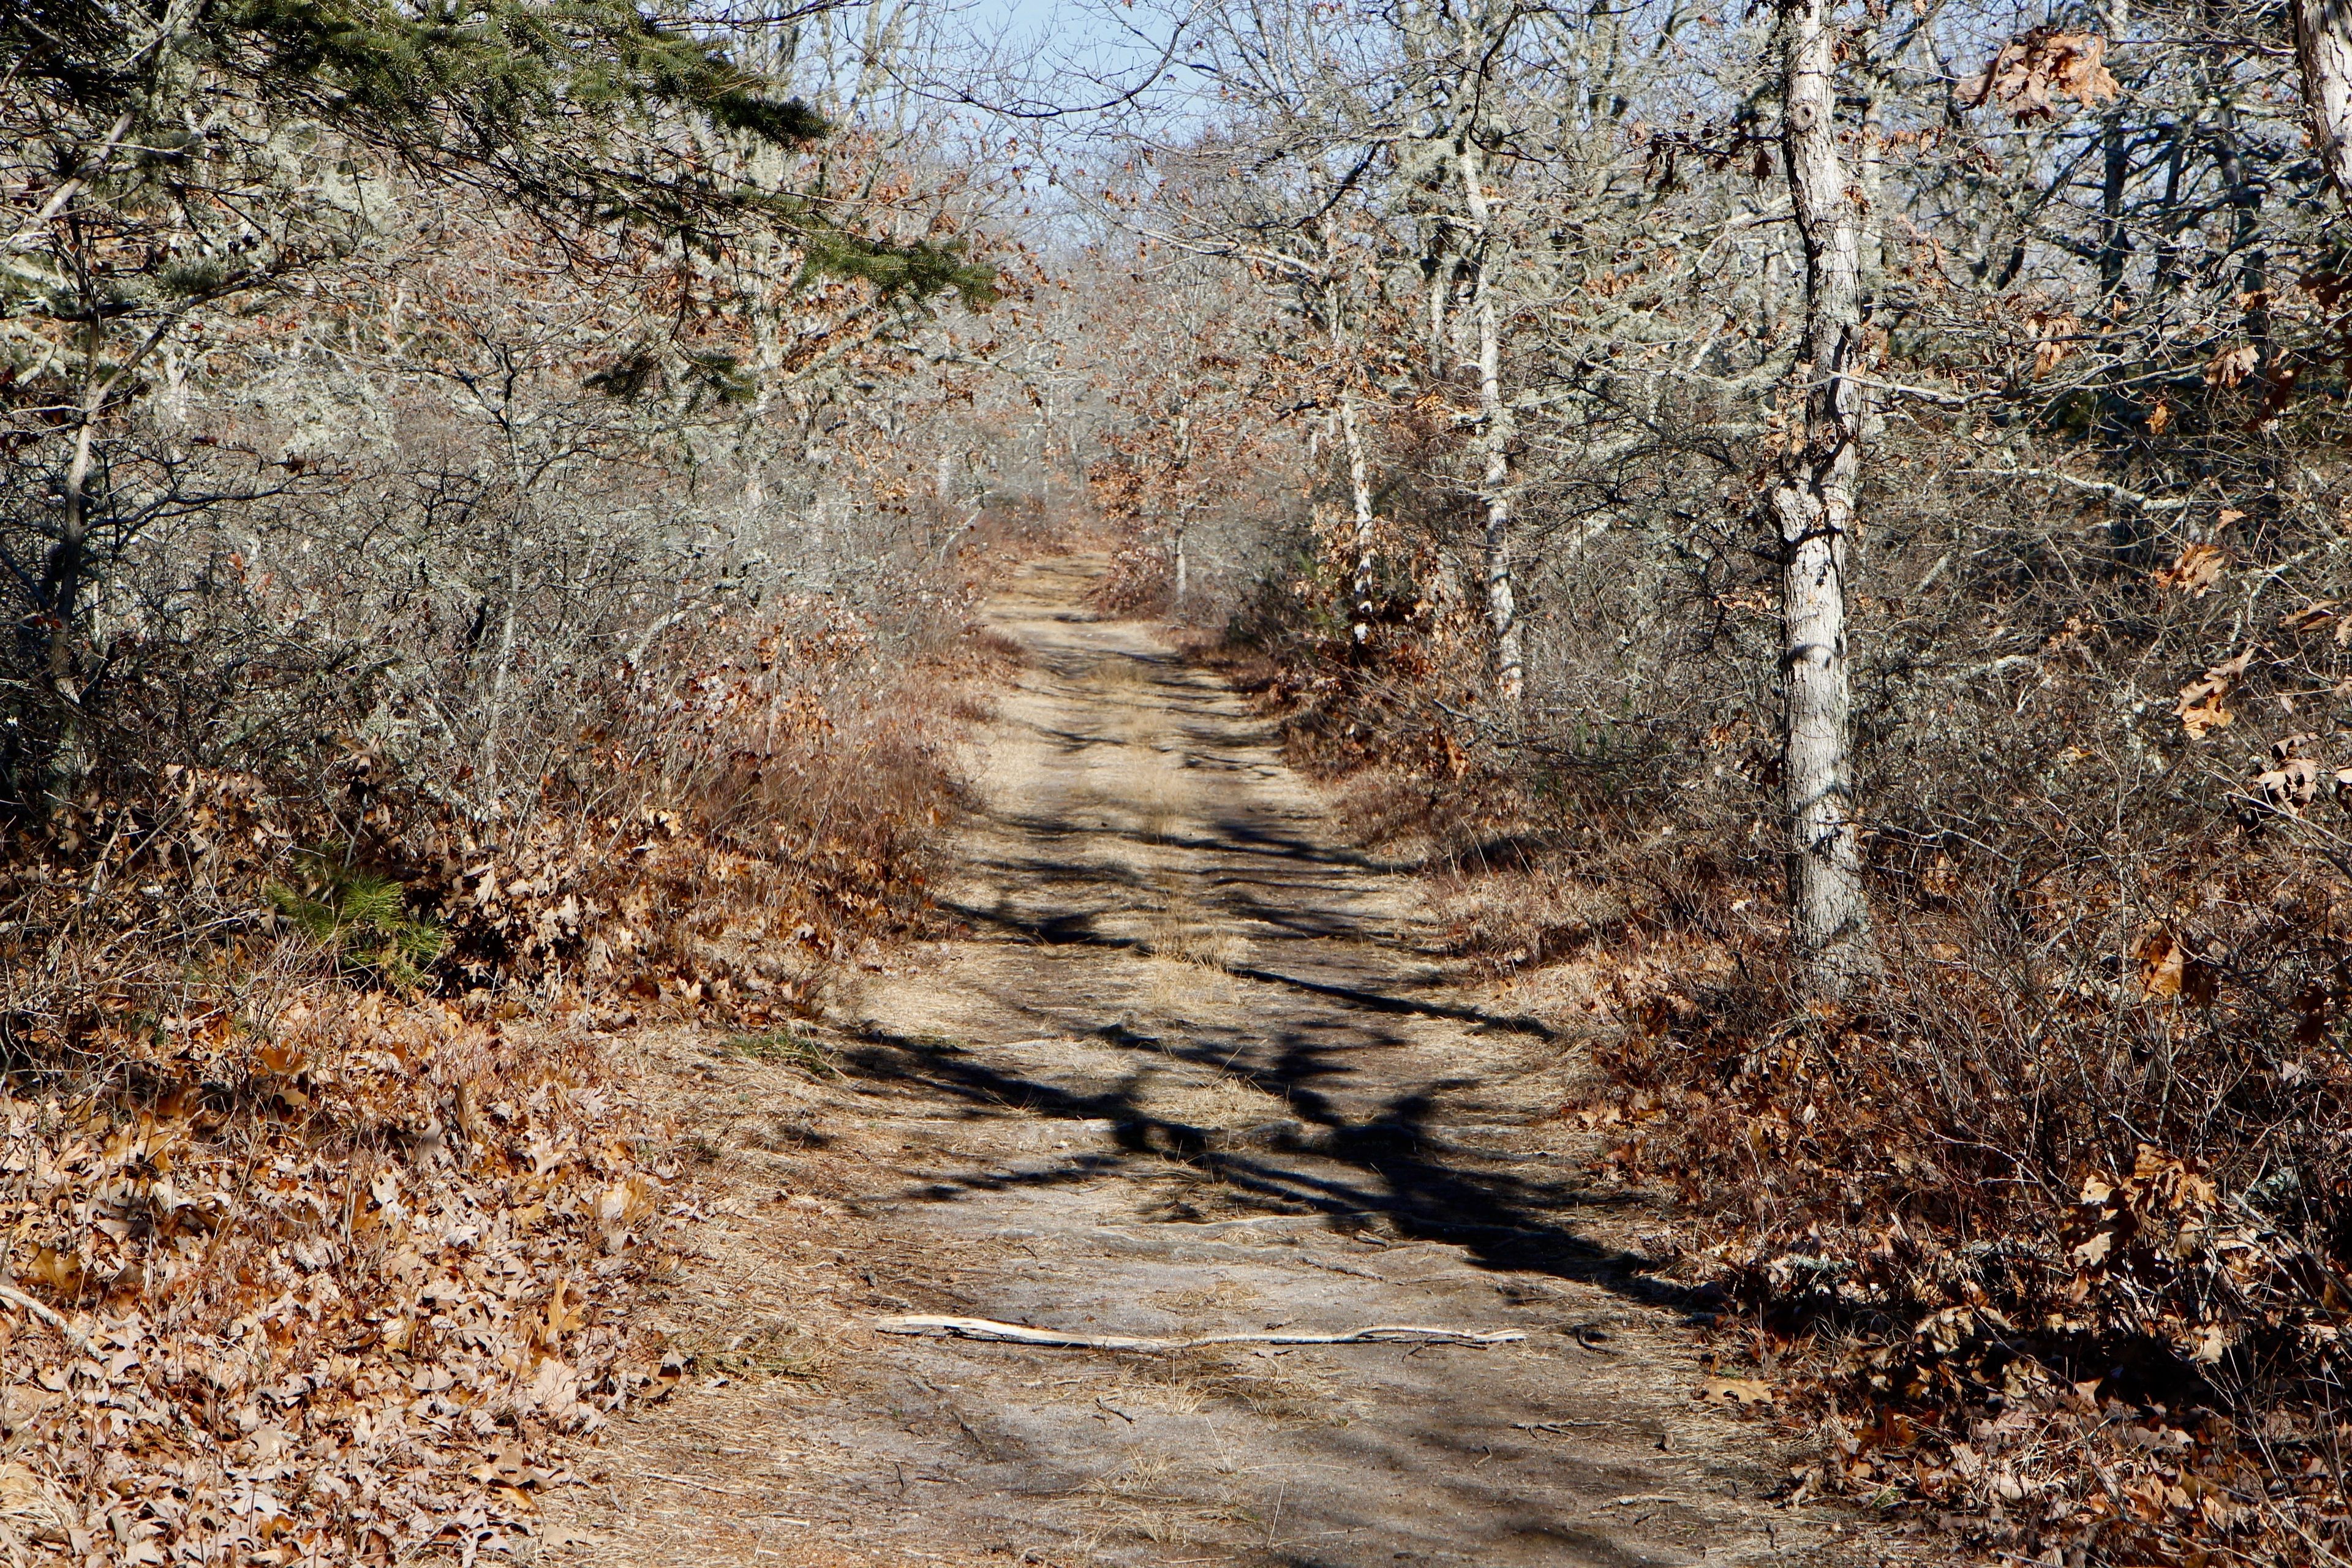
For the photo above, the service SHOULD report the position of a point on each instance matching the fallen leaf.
(508, 1466)
(2198, 717)
(2201, 708)
(2311, 618)
(2162, 959)
(2290, 786)
(2169, 969)
(1738, 1391)
(2195, 573)
(563, 1318)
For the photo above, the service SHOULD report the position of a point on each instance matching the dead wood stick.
(1022, 1334)
(684, 1482)
(48, 1314)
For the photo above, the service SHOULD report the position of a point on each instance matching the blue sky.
(1041, 21)
(1026, 15)
(1076, 31)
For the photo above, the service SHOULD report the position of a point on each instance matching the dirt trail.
(1192, 1070)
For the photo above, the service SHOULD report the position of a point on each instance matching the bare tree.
(1813, 502)
(1481, 37)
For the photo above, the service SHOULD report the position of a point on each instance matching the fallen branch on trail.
(1022, 1334)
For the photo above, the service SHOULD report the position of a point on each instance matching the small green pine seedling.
(362, 918)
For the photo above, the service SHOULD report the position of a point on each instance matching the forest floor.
(1189, 1066)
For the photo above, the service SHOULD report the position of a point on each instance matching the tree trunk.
(2323, 42)
(1359, 482)
(1045, 462)
(1441, 294)
(1870, 151)
(1184, 464)
(1494, 430)
(61, 587)
(1351, 434)
(2115, 186)
(60, 592)
(1813, 508)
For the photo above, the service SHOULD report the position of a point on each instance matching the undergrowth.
(323, 1221)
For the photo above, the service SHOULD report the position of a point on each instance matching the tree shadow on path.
(1356, 1171)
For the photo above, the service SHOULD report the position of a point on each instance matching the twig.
(1022, 1334)
(1581, 1332)
(48, 1314)
(2097, 487)
(1924, 393)
(687, 1482)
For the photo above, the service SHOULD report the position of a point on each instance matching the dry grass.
(766, 1349)
(1285, 1386)
(1177, 988)
(1180, 929)
(1224, 1101)
(1194, 1302)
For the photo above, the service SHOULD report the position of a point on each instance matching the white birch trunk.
(2323, 43)
(1812, 509)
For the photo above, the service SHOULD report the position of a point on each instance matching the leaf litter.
(354, 1297)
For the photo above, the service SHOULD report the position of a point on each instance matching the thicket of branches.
(1924, 720)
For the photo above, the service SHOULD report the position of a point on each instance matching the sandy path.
(1189, 1071)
